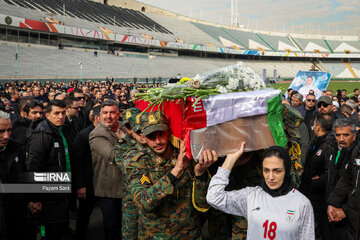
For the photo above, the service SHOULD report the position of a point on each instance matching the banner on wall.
(306, 81)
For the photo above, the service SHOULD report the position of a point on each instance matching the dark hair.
(293, 93)
(346, 108)
(24, 101)
(76, 90)
(57, 94)
(30, 105)
(310, 94)
(69, 100)
(56, 103)
(96, 111)
(12, 93)
(109, 103)
(356, 89)
(325, 121)
(273, 153)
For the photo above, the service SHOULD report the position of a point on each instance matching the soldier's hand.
(233, 157)
(181, 162)
(207, 158)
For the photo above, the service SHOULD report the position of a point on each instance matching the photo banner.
(311, 80)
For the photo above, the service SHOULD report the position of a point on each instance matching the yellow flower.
(185, 79)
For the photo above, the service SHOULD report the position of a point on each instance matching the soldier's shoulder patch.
(318, 153)
(144, 179)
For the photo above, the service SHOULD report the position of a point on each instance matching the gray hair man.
(12, 165)
(107, 176)
(339, 162)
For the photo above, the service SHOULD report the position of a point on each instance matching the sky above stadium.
(298, 16)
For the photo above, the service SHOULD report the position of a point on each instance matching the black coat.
(46, 153)
(82, 161)
(317, 161)
(12, 166)
(346, 195)
(19, 129)
(336, 171)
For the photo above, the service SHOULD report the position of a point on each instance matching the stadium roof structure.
(116, 24)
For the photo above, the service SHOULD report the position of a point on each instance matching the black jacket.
(82, 161)
(19, 129)
(346, 195)
(336, 171)
(12, 166)
(46, 153)
(317, 161)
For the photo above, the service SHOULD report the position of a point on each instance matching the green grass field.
(349, 86)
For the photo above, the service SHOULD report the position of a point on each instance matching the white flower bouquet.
(234, 78)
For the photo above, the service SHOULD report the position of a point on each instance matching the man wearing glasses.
(82, 119)
(309, 110)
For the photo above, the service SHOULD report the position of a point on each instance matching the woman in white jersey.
(275, 210)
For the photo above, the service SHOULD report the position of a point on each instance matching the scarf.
(287, 184)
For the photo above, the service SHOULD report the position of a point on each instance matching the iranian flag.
(221, 122)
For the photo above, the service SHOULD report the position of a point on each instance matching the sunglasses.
(80, 98)
(322, 104)
(311, 100)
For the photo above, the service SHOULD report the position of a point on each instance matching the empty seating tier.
(93, 12)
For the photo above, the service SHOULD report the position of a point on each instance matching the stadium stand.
(247, 39)
(312, 45)
(343, 46)
(183, 30)
(53, 63)
(93, 12)
(213, 32)
(284, 69)
(279, 43)
(335, 68)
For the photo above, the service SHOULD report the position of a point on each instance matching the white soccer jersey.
(288, 217)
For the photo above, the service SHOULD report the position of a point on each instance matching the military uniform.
(121, 149)
(165, 203)
(292, 120)
(126, 143)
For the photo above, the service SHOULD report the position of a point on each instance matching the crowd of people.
(123, 161)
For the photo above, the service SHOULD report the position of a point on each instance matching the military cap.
(292, 120)
(152, 122)
(129, 113)
(325, 99)
(135, 122)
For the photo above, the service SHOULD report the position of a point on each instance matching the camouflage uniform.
(165, 203)
(125, 145)
(292, 120)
